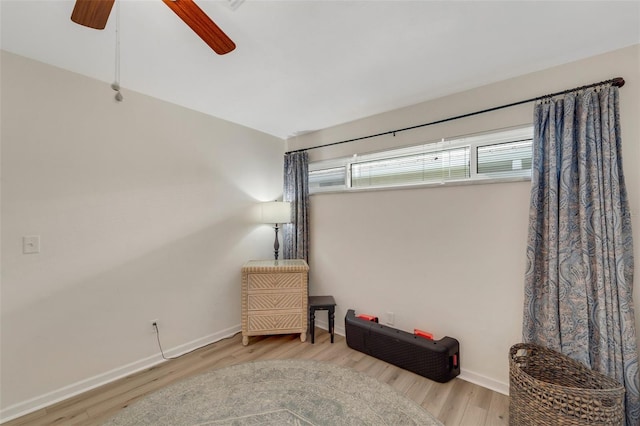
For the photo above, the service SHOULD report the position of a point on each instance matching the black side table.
(321, 303)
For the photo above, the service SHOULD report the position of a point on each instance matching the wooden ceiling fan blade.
(202, 25)
(92, 13)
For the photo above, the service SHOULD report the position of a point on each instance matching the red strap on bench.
(368, 317)
(424, 334)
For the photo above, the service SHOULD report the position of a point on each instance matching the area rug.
(276, 392)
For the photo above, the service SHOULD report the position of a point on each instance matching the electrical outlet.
(391, 318)
(154, 324)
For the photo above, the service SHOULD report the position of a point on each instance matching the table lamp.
(276, 212)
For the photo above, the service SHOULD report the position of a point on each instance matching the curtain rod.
(618, 82)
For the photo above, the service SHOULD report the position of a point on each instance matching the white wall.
(450, 259)
(143, 212)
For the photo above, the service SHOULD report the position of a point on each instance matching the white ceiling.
(302, 65)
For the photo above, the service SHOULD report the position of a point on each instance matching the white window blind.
(499, 155)
(424, 167)
(505, 159)
(327, 178)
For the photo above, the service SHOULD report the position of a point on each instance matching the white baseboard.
(324, 324)
(47, 399)
(484, 381)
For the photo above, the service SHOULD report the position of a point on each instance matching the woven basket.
(549, 388)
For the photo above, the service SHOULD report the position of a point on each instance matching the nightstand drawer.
(279, 281)
(266, 302)
(275, 322)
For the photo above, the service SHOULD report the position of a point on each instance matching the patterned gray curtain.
(295, 235)
(579, 278)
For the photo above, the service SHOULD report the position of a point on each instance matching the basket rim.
(612, 384)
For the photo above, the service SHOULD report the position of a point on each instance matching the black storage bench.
(438, 360)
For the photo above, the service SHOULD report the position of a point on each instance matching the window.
(491, 156)
(505, 159)
(417, 168)
(324, 179)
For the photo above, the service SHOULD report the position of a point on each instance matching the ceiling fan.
(95, 13)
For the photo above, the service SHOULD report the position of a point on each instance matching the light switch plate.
(31, 244)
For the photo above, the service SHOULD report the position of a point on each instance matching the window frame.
(473, 142)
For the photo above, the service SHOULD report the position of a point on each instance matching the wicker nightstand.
(274, 298)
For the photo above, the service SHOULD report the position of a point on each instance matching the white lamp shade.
(276, 212)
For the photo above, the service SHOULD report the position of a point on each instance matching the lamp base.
(276, 244)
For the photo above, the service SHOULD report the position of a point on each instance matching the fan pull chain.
(116, 84)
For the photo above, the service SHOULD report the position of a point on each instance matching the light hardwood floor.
(454, 403)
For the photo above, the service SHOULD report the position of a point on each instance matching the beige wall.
(450, 259)
(143, 212)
